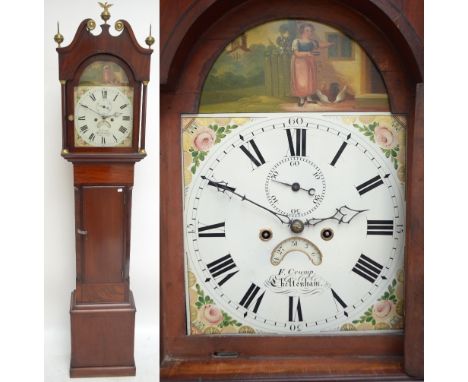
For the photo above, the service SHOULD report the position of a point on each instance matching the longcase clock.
(104, 80)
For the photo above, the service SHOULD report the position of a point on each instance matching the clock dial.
(103, 116)
(293, 225)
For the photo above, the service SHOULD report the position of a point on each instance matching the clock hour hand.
(223, 187)
(343, 214)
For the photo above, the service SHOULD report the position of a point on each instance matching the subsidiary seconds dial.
(103, 116)
(295, 186)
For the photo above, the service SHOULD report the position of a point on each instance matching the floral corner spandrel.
(200, 135)
(389, 133)
(387, 313)
(206, 317)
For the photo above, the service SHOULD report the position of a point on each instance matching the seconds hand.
(296, 187)
(232, 190)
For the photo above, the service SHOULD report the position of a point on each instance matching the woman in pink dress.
(304, 83)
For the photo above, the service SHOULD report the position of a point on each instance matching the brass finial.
(105, 15)
(150, 39)
(58, 38)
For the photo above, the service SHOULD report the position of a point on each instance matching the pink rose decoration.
(212, 314)
(382, 308)
(204, 139)
(384, 137)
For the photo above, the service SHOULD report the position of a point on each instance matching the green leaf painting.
(198, 155)
(386, 313)
(203, 301)
(383, 134)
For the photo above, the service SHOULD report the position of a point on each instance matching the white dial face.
(294, 225)
(103, 116)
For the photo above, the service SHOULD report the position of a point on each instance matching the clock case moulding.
(188, 51)
(103, 312)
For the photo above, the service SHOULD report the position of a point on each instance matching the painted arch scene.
(293, 65)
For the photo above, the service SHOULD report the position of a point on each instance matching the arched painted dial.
(333, 206)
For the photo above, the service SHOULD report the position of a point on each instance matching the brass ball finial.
(150, 39)
(105, 15)
(58, 38)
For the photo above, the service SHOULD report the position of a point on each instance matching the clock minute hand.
(94, 111)
(116, 114)
(284, 219)
(343, 214)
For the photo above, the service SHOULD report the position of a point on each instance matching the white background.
(59, 238)
(26, 165)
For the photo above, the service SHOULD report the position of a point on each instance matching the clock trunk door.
(102, 237)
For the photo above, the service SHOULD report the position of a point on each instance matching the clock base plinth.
(102, 339)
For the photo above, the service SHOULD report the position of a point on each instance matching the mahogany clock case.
(191, 41)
